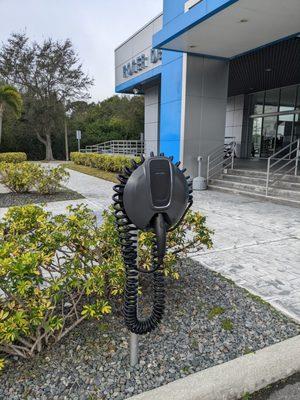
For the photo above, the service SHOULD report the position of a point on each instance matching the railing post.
(208, 165)
(232, 157)
(268, 176)
(297, 157)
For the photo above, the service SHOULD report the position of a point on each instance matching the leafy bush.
(19, 177)
(49, 180)
(105, 162)
(57, 271)
(25, 177)
(13, 157)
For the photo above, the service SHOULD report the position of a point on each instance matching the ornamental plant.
(13, 157)
(57, 271)
(25, 177)
(52, 276)
(20, 177)
(49, 180)
(105, 162)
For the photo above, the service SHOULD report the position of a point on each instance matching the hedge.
(105, 162)
(13, 157)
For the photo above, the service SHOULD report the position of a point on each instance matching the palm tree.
(9, 97)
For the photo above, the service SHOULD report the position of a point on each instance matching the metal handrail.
(214, 163)
(126, 147)
(285, 162)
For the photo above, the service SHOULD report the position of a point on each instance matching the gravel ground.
(208, 321)
(20, 199)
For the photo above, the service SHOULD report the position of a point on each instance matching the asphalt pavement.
(285, 390)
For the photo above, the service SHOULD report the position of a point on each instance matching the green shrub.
(105, 162)
(19, 177)
(49, 180)
(24, 177)
(57, 271)
(51, 276)
(13, 157)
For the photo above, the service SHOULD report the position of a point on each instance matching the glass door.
(268, 136)
(256, 137)
(284, 131)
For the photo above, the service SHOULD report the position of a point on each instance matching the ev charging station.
(154, 195)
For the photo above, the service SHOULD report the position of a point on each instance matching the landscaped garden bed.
(16, 199)
(208, 321)
(25, 183)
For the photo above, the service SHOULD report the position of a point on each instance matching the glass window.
(256, 136)
(288, 98)
(268, 136)
(271, 101)
(298, 99)
(284, 131)
(297, 127)
(257, 103)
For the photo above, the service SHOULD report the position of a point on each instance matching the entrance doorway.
(274, 120)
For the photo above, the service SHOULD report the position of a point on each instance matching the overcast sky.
(96, 28)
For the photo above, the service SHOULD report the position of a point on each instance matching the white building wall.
(137, 45)
(234, 119)
(152, 106)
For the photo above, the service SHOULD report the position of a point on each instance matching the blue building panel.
(172, 9)
(140, 80)
(171, 101)
(187, 20)
(170, 129)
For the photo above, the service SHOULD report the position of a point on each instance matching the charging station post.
(134, 349)
(154, 195)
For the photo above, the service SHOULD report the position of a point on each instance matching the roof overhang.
(234, 28)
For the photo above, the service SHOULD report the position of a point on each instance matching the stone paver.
(256, 244)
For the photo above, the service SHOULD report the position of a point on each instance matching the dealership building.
(216, 70)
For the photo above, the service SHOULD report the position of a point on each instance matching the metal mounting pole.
(134, 349)
(134, 338)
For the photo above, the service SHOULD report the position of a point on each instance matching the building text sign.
(141, 62)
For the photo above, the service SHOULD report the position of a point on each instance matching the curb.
(231, 380)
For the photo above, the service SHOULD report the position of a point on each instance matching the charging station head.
(156, 186)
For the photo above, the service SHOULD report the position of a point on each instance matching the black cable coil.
(128, 238)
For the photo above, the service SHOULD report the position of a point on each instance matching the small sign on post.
(78, 137)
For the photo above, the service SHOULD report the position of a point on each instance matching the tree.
(50, 76)
(9, 97)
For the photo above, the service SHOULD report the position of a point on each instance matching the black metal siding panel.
(248, 73)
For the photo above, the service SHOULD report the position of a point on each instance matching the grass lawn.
(107, 176)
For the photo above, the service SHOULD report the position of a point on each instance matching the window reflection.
(298, 99)
(257, 103)
(284, 131)
(279, 122)
(271, 101)
(297, 127)
(268, 136)
(256, 137)
(288, 98)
